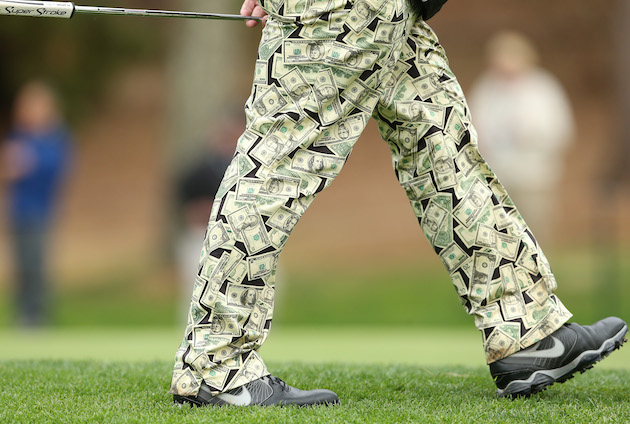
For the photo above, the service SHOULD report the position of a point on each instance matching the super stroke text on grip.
(42, 11)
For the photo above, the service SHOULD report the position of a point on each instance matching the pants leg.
(29, 241)
(499, 271)
(318, 78)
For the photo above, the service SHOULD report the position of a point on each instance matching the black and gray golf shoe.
(268, 390)
(557, 357)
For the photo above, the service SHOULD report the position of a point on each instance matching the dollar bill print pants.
(324, 68)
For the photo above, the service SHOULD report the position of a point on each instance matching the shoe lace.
(280, 382)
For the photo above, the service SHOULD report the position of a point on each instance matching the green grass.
(395, 344)
(383, 345)
(112, 392)
(383, 375)
(357, 345)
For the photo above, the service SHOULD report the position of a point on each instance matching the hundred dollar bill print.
(324, 68)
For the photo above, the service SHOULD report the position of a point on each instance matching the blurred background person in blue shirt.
(35, 157)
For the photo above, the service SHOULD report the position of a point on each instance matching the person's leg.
(317, 80)
(29, 241)
(499, 271)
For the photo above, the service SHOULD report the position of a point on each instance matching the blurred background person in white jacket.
(525, 125)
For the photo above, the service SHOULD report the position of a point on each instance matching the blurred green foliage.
(77, 56)
(410, 295)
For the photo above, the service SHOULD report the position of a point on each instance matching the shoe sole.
(542, 379)
(192, 402)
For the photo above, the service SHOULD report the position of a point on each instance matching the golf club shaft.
(66, 10)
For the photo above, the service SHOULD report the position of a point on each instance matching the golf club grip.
(48, 9)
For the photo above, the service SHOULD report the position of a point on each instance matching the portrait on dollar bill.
(185, 382)
(217, 325)
(315, 51)
(316, 164)
(325, 93)
(242, 296)
(244, 219)
(275, 186)
(248, 297)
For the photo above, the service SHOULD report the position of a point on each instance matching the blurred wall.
(210, 65)
(148, 112)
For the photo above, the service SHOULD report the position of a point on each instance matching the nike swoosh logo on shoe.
(244, 398)
(556, 351)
